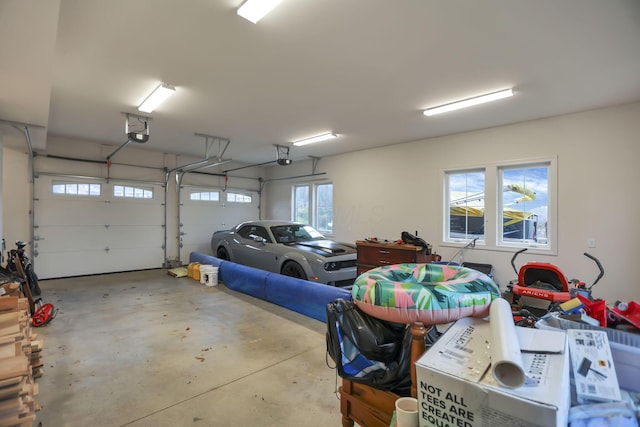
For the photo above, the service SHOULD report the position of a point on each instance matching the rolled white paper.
(506, 360)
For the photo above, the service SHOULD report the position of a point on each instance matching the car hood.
(325, 248)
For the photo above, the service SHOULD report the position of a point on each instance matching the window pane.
(466, 192)
(83, 189)
(72, 188)
(301, 204)
(525, 204)
(324, 208)
(59, 188)
(95, 190)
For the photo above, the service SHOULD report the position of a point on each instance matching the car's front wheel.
(293, 269)
(223, 254)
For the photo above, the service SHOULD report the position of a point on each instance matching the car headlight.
(332, 266)
(339, 265)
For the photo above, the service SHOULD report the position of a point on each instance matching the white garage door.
(84, 226)
(204, 210)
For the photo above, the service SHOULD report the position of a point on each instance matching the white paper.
(536, 341)
(506, 360)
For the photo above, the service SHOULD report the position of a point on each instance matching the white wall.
(382, 192)
(16, 193)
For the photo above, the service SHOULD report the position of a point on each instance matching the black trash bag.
(368, 350)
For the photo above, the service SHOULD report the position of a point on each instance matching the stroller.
(546, 281)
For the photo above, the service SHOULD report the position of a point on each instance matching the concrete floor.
(146, 349)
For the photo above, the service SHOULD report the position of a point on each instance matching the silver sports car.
(288, 248)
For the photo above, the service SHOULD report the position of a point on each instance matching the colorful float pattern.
(428, 293)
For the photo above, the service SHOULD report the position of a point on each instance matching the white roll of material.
(506, 360)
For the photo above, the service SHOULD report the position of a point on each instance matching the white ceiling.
(364, 69)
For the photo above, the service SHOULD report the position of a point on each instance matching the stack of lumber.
(20, 363)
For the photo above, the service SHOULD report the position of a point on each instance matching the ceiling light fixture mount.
(157, 97)
(255, 10)
(457, 105)
(313, 139)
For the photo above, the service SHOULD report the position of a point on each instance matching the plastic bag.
(367, 350)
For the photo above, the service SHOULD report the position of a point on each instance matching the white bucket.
(201, 269)
(210, 276)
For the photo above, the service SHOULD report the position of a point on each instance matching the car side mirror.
(259, 239)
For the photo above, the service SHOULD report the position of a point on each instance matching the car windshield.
(295, 233)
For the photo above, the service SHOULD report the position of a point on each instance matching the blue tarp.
(302, 296)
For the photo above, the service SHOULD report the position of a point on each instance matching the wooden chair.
(371, 407)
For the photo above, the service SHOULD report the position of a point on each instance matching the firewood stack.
(20, 362)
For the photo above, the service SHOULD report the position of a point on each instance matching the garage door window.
(132, 192)
(205, 196)
(76, 189)
(239, 197)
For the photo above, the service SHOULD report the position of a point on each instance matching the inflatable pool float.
(427, 293)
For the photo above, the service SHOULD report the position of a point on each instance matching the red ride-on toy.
(545, 281)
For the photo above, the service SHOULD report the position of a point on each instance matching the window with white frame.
(313, 205)
(502, 205)
(466, 202)
(524, 203)
(132, 192)
(301, 203)
(205, 196)
(323, 221)
(76, 188)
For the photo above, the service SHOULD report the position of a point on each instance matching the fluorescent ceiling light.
(316, 138)
(255, 10)
(156, 98)
(469, 102)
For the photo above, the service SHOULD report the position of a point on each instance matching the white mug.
(407, 412)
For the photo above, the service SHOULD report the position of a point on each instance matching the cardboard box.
(593, 369)
(456, 387)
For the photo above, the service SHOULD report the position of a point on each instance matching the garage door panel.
(135, 237)
(135, 213)
(63, 239)
(129, 258)
(70, 263)
(71, 212)
(79, 263)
